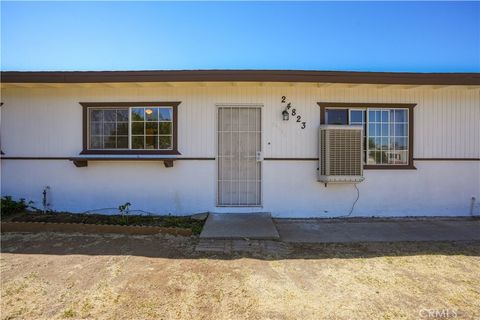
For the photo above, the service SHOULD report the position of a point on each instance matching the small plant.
(124, 210)
(10, 206)
(69, 313)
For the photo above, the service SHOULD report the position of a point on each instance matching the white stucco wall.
(436, 188)
(46, 122)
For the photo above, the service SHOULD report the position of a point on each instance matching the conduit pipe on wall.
(45, 199)
(472, 206)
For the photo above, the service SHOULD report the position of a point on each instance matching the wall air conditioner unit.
(341, 153)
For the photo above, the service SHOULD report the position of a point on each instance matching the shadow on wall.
(171, 247)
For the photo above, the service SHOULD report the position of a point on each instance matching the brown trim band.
(86, 105)
(113, 158)
(212, 158)
(242, 75)
(131, 152)
(446, 159)
(389, 167)
(35, 158)
(380, 166)
(290, 159)
(105, 158)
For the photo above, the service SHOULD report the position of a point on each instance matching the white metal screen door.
(239, 156)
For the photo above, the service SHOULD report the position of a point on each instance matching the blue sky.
(361, 36)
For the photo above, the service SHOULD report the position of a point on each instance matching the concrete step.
(252, 226)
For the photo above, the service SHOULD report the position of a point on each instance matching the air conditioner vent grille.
(341, 154)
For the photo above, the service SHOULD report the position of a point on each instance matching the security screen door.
(239, 156)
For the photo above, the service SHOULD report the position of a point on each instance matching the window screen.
(108, 128)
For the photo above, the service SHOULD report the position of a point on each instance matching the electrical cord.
(100, 209)
(354, 203)
(142, 211)
(151, 213)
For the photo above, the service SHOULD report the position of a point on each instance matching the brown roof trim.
(241, 75)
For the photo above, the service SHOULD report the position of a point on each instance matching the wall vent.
(340, 149)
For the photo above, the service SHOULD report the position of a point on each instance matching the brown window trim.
(410, 106)
(173, 104)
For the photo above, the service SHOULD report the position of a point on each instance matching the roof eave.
(400, 78)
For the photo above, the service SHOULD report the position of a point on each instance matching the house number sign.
(293, 112)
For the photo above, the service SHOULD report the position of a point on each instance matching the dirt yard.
(58, 276)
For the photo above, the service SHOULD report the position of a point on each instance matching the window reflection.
(108, 128)
(152, 128)
(148, 128)
(337, 116)
(388, 136)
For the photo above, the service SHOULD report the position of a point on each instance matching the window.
(108, 128)
(152, 128)
(337, 116)
(387, 129)
(387, 134)
(359, 117)
(117, 128)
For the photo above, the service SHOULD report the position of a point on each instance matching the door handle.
(259, 156)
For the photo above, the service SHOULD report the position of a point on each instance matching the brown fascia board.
(241, 76)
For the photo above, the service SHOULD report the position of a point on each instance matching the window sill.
(81, 162)
(389, 167)
(130, 152)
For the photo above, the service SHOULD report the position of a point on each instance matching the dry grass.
(55, 276)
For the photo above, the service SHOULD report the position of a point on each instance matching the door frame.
(238, 105)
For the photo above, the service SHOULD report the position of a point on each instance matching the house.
(182, 142)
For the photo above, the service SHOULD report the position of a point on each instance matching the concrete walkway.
(253, 226)
(386, 230)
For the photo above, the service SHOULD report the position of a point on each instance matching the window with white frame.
(151, 128)
(108, 128)
(138, 128)
(386, 132)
